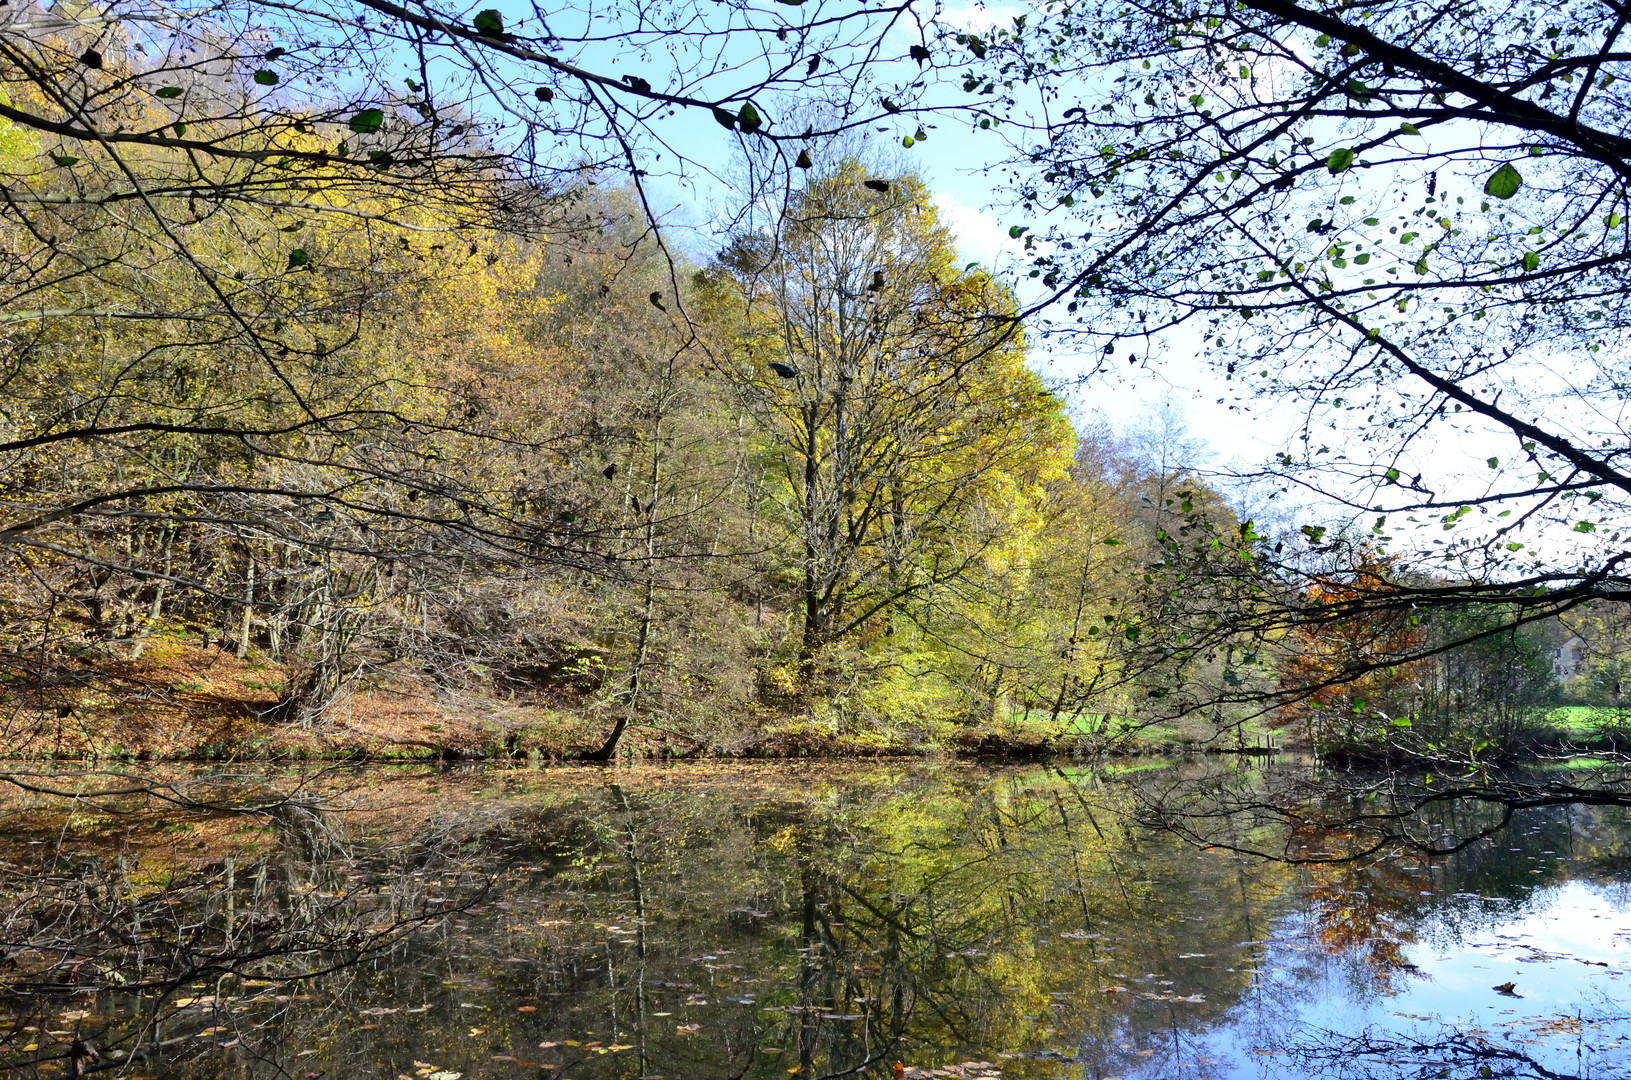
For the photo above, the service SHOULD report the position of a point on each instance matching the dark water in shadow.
(778, 921)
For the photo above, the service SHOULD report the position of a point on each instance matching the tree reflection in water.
(739, 922)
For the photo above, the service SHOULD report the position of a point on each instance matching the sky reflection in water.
(795, 922)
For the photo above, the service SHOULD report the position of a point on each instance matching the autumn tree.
(909, 439)
(214, 214)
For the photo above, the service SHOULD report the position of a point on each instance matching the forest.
(529, 545)
(337, 430)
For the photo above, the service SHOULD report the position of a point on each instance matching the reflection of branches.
(256, 801)
(1333, 818)
(145, 934)
(1374, 1056)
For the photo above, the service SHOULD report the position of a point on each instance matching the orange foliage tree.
(1350, 670)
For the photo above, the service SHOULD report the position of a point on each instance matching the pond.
(713, 921)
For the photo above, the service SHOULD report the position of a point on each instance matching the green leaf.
(1323, 40)
(976, 46)
(725, 119)
(1584, 527)
(544, 93)
(1392, 475)
(1350, 49)
(748, 118)
(1493, 462)
(65, 160)
(1340, 161)
(298, 258)
(266, 78)
(296, 227)
(906, 141)
(1612, 220)
(1531, 260)
(1503, 183)
(167, 92)
(1016, 231)
(368, 121)
(489, 22)
(1409, 129)
(180, 130)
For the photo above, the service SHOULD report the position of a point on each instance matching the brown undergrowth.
(186, 700)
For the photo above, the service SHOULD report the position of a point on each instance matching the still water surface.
(777, 921)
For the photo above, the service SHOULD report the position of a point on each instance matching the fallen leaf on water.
(548, 1045)
(687, 1029)
(527, 1008)
(475, 1031)
(616, 1049)
(502, 1057)
(572, 1042)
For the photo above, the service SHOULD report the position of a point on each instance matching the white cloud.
(977, 15)
(979, 235)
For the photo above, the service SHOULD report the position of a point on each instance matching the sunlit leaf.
(1503, 183)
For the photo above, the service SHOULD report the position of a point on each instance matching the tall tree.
(893, 396)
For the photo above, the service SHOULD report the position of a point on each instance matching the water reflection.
(795, 922)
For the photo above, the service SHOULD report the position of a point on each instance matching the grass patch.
(1585, 719)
